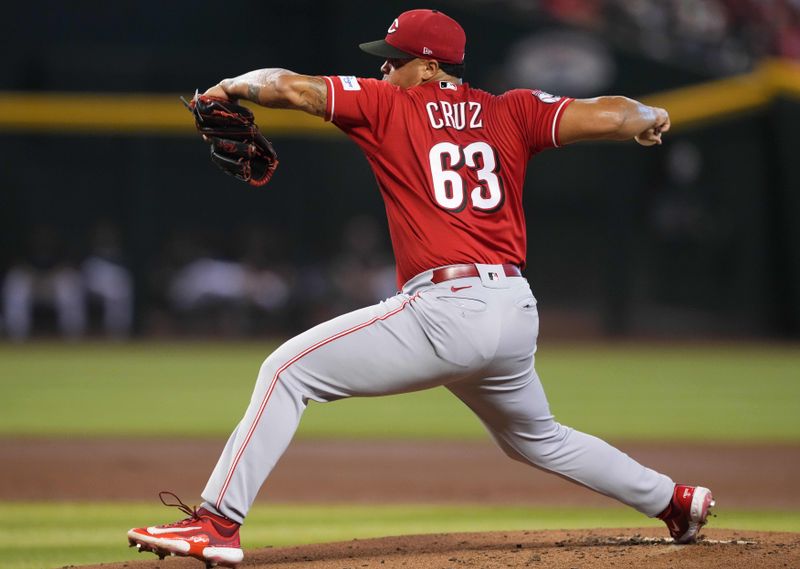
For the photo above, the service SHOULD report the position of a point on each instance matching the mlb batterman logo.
(393, 28)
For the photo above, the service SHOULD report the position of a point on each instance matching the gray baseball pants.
(477, 337)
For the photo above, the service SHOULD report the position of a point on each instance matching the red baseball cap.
(429, 34)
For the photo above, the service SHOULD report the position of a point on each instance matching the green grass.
(734, 393)
(46, 535)
(726, 393)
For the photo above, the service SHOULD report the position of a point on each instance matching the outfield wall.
(696, 238)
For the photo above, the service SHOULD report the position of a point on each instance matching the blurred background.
(114, 223)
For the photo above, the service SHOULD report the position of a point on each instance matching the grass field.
(634, 392)
(726, 393)
(37, 536)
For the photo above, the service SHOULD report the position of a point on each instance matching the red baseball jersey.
(450, 163)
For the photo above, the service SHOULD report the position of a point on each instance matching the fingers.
(656, 135)
(216, 91)
(662, 122)
(650, 137)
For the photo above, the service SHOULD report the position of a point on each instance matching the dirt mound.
(604, 548)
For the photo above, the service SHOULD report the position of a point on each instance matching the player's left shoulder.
(546, 97)
(532, 100)
(530, 95)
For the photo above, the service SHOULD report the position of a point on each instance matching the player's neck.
(442, 76)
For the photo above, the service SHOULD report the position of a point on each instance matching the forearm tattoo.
(258, 86)
(314, 96)
(253, 92)
(307, 94)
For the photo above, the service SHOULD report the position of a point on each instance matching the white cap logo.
(426, 51)
(393, 28)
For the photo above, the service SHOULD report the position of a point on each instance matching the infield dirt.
(600, 549)
(755, 476)
(743, 476)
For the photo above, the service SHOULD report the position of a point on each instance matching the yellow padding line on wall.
(722, 98)
(123, 113)
(126, 114)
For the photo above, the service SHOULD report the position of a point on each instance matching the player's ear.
(430, 70)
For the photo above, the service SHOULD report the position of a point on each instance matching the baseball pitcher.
(450, 163)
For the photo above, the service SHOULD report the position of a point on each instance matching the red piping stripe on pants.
(275, 381)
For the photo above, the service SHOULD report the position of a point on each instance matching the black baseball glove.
(237, 146)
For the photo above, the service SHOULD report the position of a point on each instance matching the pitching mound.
(597, 549)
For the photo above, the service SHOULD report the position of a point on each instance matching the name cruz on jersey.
(454, 115)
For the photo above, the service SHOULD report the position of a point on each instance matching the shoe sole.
(702, 502)
(211, 556)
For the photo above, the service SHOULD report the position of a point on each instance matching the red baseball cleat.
(687, 512)
(203, 535)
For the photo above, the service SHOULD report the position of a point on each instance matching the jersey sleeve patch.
(349, 83)
(545, 97)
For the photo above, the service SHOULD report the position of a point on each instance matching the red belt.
(461, 271)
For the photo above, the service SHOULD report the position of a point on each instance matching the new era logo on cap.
(427, 34)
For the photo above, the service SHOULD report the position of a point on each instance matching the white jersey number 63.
(447, 159)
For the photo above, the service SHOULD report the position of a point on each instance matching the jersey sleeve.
(538, 114)
(360, 107)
